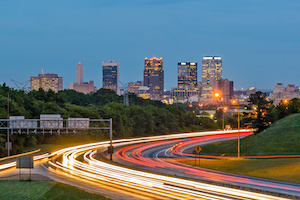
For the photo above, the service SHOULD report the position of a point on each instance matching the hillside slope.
(282, 137)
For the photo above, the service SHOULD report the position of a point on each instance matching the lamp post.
(238, 104)
(217, 95)
(8, 146)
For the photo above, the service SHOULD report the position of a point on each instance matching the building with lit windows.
(211, 71)
(46, 82)
(184, 93)
(111, 76)
(144, 92)
(187, 74)
(133, 87)
(154, 77)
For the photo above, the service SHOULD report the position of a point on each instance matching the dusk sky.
(258, 40)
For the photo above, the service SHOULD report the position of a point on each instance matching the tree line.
(143, 117)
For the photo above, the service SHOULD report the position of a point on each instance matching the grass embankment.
(31, 190)
(281, 169)
(281, 138)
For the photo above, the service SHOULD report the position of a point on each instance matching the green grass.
(282, 169)
(282, 138)
(38, 190)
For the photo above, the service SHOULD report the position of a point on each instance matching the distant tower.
(187, 74)
(111, 76)
(154, 77)
(211, 71)
(79, 73)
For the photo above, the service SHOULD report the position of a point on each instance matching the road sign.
(198, 149)
(25, 162)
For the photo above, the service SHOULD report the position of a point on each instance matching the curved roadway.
(159, 157)
(78, 166)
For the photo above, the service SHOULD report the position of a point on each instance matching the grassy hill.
(282, 137)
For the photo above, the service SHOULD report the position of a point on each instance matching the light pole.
(223, 122)
(8, 146)
(218, 96)
(238, 104)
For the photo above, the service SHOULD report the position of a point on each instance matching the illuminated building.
(46, 82)
(211, 71)
(187, 74)
(225, 88)
(144, 92)
(133, 87)
(80, 86)
(111, 76)
(154, 77)
(184, 93)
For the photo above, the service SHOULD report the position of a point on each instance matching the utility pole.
(110, 137)
(8, 146)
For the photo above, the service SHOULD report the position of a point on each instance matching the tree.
(286, 108)
(261, 116)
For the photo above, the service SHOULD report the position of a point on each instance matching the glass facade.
(187, 74)
(154, 77)
(211, 71)
(111, 76)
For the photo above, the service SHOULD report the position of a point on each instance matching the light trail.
(140, 154)
(164, 186)
(69, 160)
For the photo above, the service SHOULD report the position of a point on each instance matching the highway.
(80, 162)
(159, 157)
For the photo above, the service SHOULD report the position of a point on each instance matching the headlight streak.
(187, 183)
(153, 183)
(164, 186)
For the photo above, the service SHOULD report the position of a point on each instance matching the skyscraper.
(187, 74)
(79, 73)
(111, 76)
(46, 82)
(211, 71)
(154, 77)
(79, 85)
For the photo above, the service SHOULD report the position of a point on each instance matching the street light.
(217, 95)
(223, 122)
(234, 102)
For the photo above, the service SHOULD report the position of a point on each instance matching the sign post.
(196, 152)
(25, 162)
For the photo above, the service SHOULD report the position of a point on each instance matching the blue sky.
(259, 41)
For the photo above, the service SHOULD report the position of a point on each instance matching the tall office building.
(211, 71)
(187, 74)
(79, 85)
(111, 76)
(46, 82)
(154, 77)
(79, 73)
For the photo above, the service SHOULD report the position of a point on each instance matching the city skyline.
(254, 38)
